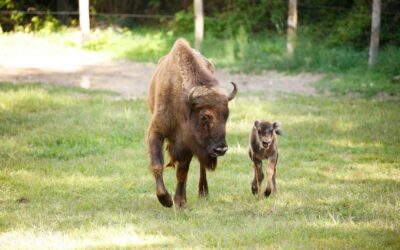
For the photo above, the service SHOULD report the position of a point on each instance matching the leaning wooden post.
(198, 23)
(84, 21)
(292, 26)
(375, 29)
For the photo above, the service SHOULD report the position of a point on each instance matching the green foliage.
(7, 4)
(183, 22)
(338, 23)
(46, 24)
(137, 44)
(352, 30)
(74, 174)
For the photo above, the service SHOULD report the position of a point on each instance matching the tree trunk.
(375, 29)
(198, 23)
(84, 19)
(292, 26)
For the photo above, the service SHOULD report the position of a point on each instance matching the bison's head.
(208, 115)
(265, 131)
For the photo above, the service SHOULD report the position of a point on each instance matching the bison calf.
(264, 145)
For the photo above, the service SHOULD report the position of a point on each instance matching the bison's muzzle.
(219, 150)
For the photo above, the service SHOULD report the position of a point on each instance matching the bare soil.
(32, 61)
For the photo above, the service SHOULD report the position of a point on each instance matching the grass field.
(74, 174)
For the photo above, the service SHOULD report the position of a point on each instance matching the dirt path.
(30, 61)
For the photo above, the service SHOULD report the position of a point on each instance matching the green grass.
(79, 159)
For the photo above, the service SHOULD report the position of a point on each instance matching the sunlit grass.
(74, 174)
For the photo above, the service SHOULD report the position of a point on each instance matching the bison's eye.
(205, 120)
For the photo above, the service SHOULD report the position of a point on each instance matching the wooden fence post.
(84, 21)
(198, 23)
(292, 26)
(375, 29)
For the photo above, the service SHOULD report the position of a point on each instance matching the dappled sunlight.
(293, 119)
(333, 232)
(78, 176)
(27, 52)
(76, 180)
(358, 145)
(369, 171)
(85, 82)
(32, 100)
(30, 58)
(343, 126)
(100, 237)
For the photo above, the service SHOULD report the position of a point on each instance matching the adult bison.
(189, 110)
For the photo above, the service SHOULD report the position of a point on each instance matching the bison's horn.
(234, 92)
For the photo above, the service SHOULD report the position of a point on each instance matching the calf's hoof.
(269, 192)
(165, 199)
(180, 202)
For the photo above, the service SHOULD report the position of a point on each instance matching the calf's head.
(265, 131)
(208, 115)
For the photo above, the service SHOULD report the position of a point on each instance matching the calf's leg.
(256, 185)
(271, 172)
(155, 141)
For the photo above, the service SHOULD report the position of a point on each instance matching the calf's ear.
(256, 125)
(276, 127)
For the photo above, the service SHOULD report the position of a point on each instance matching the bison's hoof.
(179, 201)
(203, 193)
(165, 199)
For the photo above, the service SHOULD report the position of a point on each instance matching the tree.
(84, 22)
(198, 23)
(375, 29)
(292, 26)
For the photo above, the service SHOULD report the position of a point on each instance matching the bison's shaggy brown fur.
(189, 110)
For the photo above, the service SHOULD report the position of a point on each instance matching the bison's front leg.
(271, 172)
(256, 185)
(155, 141)
(203, 186)
(181, 176)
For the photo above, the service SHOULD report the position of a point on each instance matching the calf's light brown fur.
(263, 145)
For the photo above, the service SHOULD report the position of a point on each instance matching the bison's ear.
(276, 127)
